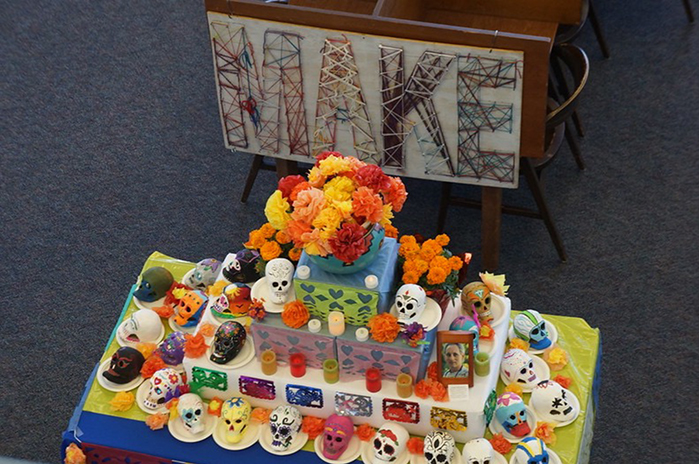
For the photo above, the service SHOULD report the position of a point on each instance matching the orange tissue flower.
(544, 431)
(313, 426)
(367, 205)
(207, 330)
(157, 421)
(433, 371)
(214, 408)
(195, 346)
(486, 332)
(439, 391)
(514, 388)
(165, 311)
(384, 327)
(563, 381)
(151, 366)
(295, 314)
(422, 388)
(500, 444)
(74, 455)
(365, 432)
(396, 194)
(260, 415)
(519, 343)
(122, 401)
(416, 445)
(146, 349)
(270, 250)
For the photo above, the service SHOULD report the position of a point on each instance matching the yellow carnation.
(333, 165)
(340, 188)
(315, 177)
(277, 210)
(122, 401)
(328, 220)
(387, 215)
(343, 207)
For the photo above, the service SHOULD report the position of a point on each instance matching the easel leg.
(491, 219)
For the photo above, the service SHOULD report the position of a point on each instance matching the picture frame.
(455, 357)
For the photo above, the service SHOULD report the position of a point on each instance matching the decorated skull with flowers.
(337, 207)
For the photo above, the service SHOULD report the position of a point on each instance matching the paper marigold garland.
(500, 444)
(365, 432)
(496, 283)
(313, 426)
(295, 314)
(122, 401)
(416, 445)
(74, 455)
(544, 431)
(260, 415)
(384, 327)
(157, 421)
(195, 346)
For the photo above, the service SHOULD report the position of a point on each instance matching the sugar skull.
(390, 442)
(338, 432)
(284, 423)
(171, 350)
(155, 282)
(241, 267)
(124, 366)
(531, 327)
(229, 340)
(550, 401)
(518, 367)
(467, 324)
(203, 274)
(512, 414)
(478, 451)
(531, 450)
(239, 300)
(165, 384)
(235, 413)
(410, 303)
(191, 410)
(279, 273)
(190, 308)
(476, 295)
(439, 447)
(143, 326)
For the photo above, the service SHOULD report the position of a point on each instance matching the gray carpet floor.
(111, 148)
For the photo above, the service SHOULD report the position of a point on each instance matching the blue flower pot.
(335, 266)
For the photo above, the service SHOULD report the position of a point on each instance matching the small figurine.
(390, 442)
(476, 295)
(124, 366)
(229, 340)
(339, 430)
(411, 300)
(204, 274)
(235, 414)
(512, 414)
(241, 267)
(155, 282)
(165, 384)
(190, 308)
(439, 448)
(531, 327)
(285, 424)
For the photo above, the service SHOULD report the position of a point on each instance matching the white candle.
(362, 334)
(371, 281)
(336, 323)
(303, 272)
(314, 325)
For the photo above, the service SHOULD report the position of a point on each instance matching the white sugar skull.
(279, 273)
(190, 408)
(550, 401)
(531, 327)
(164, 385)
(439, 447)
(285, 424)
(410, 303)
(143, 326)
(531, 450)
(204, 274)
(390, 442)
(478, 451)
(518, 367)
(235, 413)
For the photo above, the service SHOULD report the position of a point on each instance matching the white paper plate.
(141, 394)
(354, 449)
(116, 387)
(553, 336)
(260, 291)
(266, 442)
(420, 458)
(124, 342)
(430, 318)
(252, 435)
(247, 353)
(177, 328)
(178, 431)
(368, 455)
(145, 305)
(496, 427)
(575, 403)
(553, 457)
(541, 369)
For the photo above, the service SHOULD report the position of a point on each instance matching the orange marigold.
(456, 263)
(295, 254)
(407, 239)
(442, 239)
(282, 238)
(270, 250)
(544, 431)
(255, 240)
(416, 445)
(409, 250)
(267, 230)
(439, 391)
(384, 327)
(365, 432)
(422, 388)
(433, 371)
(411, 277)
(207, 330)
(436, 276)
(563, 381)
(500, 444)
(430, 249)
(421, 266)
(391, 231)
(195, 346)
(260, 415)
(157, 421)
(295, 314)
(313, 426)
(151, 366)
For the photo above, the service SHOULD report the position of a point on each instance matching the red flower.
(327, 154)
(373, 177)
(287, 184)
(348, 243)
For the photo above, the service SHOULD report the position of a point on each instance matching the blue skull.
(531, 451)
(512, 414)
(155, 282)
(531, 327)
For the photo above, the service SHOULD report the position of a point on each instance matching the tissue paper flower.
(157, 421)
(433, 371)
(214, 408)
(500, 444)
(486, 332)
(556, 358)
(496, 283)
(287, 184)
(195, 346)
(439, 391)
(384, 327)
(152, 365)
(146, 349)
(74, 455)
(257, 309)
(422, 389)
(122, 401)
(365, 432)
(563, 381)
(416, 445)
(260, 415)
(295, 314)
(519, 343)
(544, 430)
(207, 330)
(165, 311)
(217, 288)
(313, 426)
(277, 210)
(514, 388)
(348, 244)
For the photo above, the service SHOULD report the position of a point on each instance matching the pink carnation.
(348, 244)
(308, 205)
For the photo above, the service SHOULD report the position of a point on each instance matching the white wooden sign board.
(419, 109)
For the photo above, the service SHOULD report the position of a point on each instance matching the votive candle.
(482, 364)
(331, 371)
(336, 323)
(269, 362)
(297, 363)
(314, 325)
(404, 385)
(361, 334)
(373, 379)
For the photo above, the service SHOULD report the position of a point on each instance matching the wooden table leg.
(491, 219)
(286, 167)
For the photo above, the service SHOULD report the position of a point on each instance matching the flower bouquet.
(271, 243)
(340, 213)
(432, 266)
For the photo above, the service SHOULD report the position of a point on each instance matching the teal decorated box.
(323, 292)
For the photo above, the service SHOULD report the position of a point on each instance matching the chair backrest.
(575, 60)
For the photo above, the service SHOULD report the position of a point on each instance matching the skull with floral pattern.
(531, 327)
(235, 414)
(512, 414)
(171, 350)
(190, 308)
(229, 340)
(203, 274)
(439, 447)
(190, 409)
(518, 367)
(476, 295)
(165, 384)
(390, 442)
(285, 424)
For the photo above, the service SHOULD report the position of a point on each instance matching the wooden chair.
(258, 164)
(575, 61)
(688, 10)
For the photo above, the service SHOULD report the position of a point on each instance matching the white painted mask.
(279, 273)
(390, 442)
(164, 385)
(285, 423)
(478, 451)
(191, 410)
(518, 367)
(550, 401)
(143, 326)
(410, 303)
(439, 448)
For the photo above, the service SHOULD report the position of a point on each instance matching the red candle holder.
(373, 379)
(297, 362)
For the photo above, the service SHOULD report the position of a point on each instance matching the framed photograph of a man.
(455, 357)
